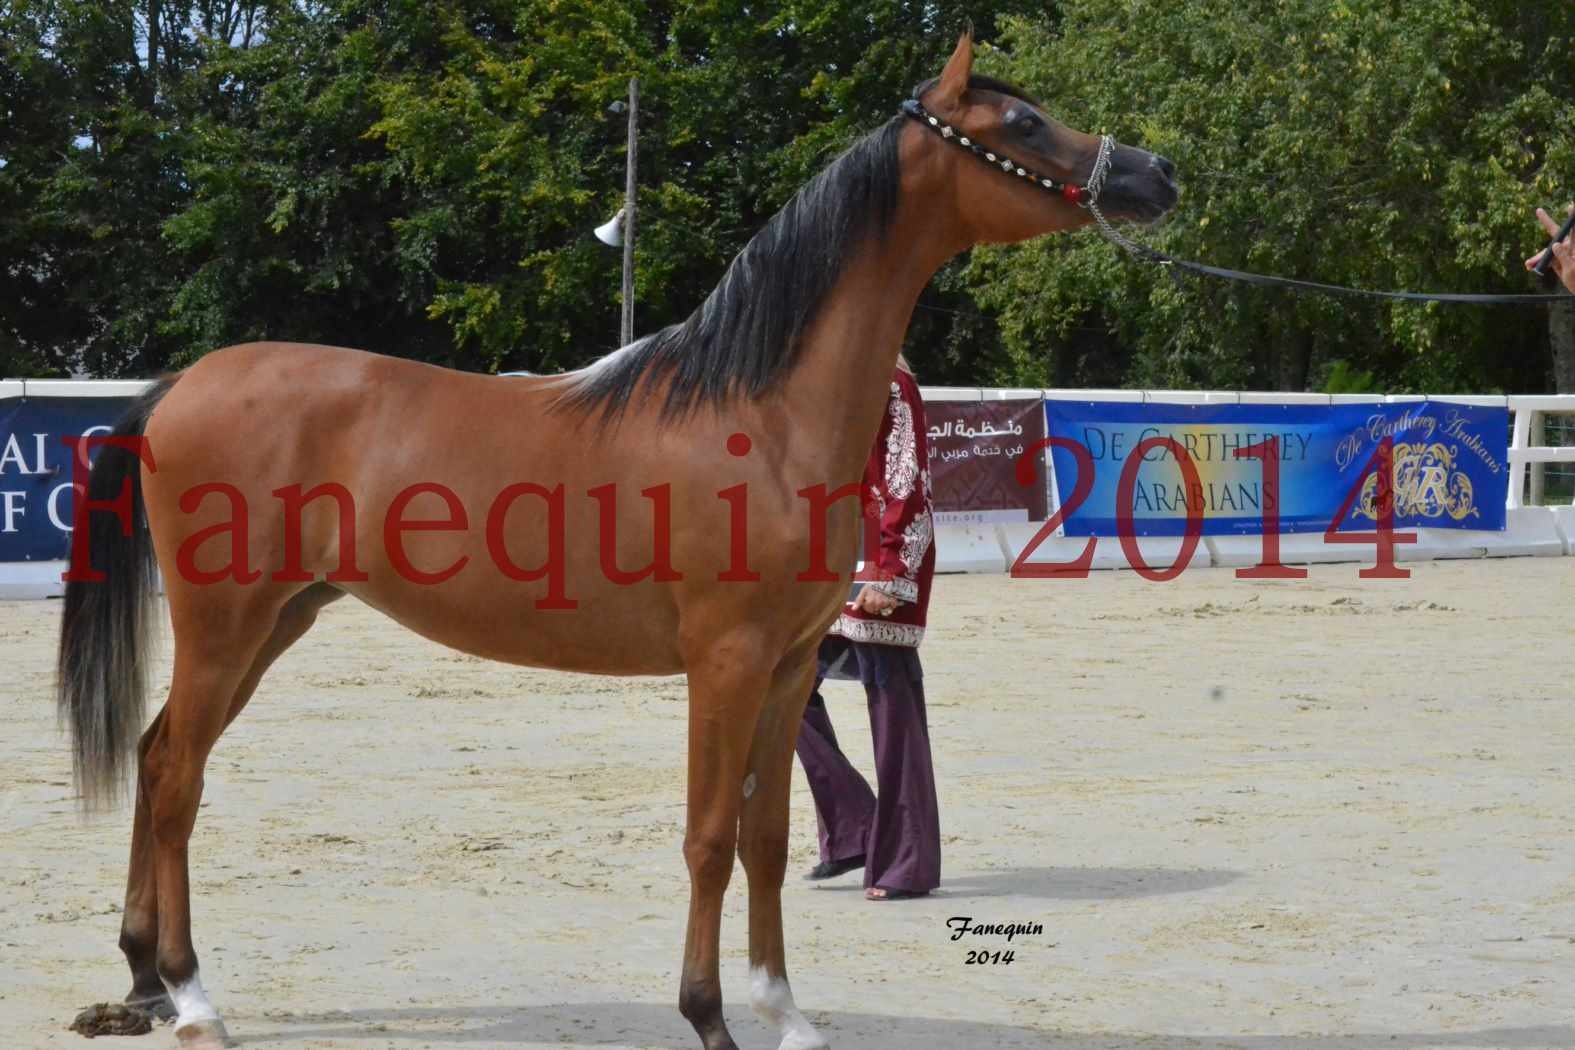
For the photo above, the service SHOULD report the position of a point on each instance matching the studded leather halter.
(1087, 194)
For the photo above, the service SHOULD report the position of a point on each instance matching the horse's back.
(309, 370)
(413, 462)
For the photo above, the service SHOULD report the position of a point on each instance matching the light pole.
(626, 332)
(620, 228)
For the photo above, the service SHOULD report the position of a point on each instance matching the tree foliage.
(421, 178)
(1374, 143)
(418, 178)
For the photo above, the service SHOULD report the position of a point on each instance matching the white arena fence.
(1535, 526)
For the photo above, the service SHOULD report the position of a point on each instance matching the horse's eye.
(1025, 124)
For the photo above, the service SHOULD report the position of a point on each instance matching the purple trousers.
(896, 828)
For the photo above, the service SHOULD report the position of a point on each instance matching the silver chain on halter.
(1096, 183)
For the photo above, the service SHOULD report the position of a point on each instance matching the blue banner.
(35, 469)
(1450, 466)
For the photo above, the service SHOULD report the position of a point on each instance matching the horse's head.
(1042, 170)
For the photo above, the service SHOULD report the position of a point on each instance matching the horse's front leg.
(727, 687)
(763, 846)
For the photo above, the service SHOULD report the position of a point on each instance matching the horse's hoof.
(159, 1007)
(204, 1035)
(801, 1041)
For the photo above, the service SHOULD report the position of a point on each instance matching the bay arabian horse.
(506, 517)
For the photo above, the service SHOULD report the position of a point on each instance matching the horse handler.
(894, 835)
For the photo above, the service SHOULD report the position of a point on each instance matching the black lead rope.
(1088, 197)
(1261, 280)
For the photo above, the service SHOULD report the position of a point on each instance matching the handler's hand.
(1563, 252)
(877, 602)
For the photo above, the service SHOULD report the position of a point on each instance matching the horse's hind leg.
(139, 924)
(763, 847)
(293, 621)
(220, 653)
(139, 930)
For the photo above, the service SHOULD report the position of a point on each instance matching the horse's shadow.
(659, 1027)
(1069, 884)
(649, 1025)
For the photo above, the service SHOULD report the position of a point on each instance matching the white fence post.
(1519, 443)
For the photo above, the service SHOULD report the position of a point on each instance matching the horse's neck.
(840, 387)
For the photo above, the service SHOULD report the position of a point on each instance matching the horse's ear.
(954, 78)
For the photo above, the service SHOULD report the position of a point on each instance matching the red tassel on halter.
(1072, 193)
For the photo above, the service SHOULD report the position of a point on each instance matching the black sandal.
(830, 869)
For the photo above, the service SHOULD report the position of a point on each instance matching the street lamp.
(619, 230)
(610, 232)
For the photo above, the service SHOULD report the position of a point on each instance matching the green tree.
(289, 229)
(86, 178)
(516, 157)
(420, 178)
(1365, 142)
(93, 154)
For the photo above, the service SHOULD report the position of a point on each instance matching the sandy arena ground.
(1287, 816)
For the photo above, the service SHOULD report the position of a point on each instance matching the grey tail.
(107, 627)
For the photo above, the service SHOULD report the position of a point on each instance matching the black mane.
(747, 333)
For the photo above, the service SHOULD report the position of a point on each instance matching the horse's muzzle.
(1141, 186)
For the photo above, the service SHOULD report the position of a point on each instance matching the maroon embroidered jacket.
(896, 490)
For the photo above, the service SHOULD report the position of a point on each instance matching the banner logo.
(1426, 485)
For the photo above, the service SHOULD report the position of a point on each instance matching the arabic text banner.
(35, 469)
(974, 447)
(1450, 465)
